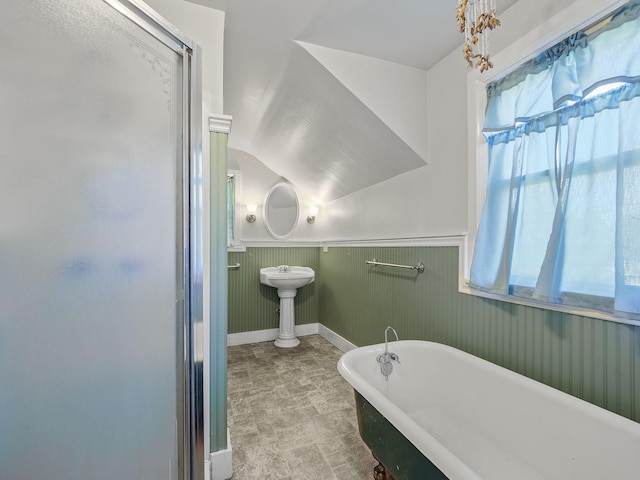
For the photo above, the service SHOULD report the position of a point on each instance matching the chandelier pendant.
(475, 19)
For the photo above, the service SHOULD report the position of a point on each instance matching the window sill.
(570, 310)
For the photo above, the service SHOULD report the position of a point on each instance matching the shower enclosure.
(100, 244)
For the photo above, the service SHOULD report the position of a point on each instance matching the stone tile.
(347, 448)
(244, 425)
(244, 447)
(292, 416)
(308, 463)
(238, 407)
(296, 436)
(355, 471)
(264, 467)
(327, 405)
(266, 432)
(300, 390)
(333, 423)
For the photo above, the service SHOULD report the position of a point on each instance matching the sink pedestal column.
(287, 336)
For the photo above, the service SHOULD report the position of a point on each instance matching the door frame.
(190, 415)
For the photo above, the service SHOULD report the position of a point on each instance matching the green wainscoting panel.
(596, 360)
(218, 292)
(252, 306)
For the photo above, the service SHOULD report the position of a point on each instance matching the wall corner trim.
(280, 244)
(220, 462)
(449, 240)
(220, 123)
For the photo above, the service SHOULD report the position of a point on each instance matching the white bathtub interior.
(474, 419)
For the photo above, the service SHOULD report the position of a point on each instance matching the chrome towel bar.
(419, 267)
(233, 267)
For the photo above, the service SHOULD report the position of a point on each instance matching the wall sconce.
(251, 216)
(313, 211)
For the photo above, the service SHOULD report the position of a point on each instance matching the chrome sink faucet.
(385, 359)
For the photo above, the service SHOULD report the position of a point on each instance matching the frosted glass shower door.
(92, 242)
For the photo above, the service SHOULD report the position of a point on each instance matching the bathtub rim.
(439, 454)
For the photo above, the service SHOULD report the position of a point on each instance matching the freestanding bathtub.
(443, 413)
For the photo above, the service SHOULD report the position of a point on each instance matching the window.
(231, 207)
(561, 219)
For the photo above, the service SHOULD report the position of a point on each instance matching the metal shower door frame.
(190, 364)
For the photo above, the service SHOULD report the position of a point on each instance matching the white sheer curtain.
(561, 221)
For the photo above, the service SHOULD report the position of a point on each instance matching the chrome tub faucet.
(385, 359)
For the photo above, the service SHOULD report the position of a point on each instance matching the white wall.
(383, 87)
(433, 200)
(428, 201)
(205, 26)
(256, 179)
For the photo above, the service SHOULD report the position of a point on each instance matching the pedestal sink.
(287, 280)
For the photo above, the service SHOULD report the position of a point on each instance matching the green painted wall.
(252, 306)
(596, 360)
(218, 292)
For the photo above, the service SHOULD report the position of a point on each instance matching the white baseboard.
(306, 329)
(336, 340)
(271, 334)
(256, 336)
(221, 467)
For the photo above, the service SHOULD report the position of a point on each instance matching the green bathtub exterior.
(399, 456)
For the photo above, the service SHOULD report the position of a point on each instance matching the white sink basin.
(287, 278)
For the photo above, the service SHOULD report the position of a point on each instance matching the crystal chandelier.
(475, 19)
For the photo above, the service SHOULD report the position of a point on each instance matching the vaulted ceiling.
(331, 94)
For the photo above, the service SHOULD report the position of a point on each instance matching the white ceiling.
(294, 115)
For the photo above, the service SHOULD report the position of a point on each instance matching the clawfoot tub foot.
(381, 473)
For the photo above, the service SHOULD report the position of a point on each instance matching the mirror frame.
(265, 211)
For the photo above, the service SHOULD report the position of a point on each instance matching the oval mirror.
(281, 210)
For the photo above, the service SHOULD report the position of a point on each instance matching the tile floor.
(291, 414)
